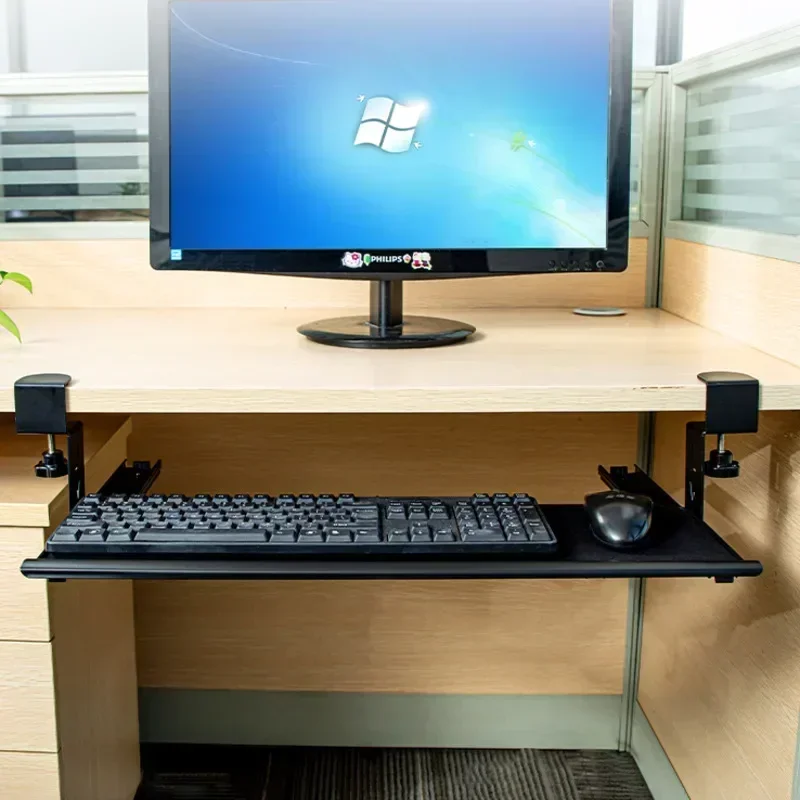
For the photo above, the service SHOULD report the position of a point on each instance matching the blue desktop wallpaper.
(509, 150)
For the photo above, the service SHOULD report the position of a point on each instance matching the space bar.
(200, 537)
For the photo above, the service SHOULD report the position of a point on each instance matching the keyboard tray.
(686, 547)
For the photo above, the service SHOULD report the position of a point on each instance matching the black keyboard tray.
(686, 547)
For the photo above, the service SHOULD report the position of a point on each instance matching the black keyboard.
(304, 525)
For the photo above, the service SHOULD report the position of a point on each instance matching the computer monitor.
(390, 140)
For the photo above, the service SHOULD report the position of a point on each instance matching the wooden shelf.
(28, 501)
(253, 361)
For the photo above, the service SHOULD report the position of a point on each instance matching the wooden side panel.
(471, 637)
(96, 689)
(27, 699)
(29, 776)
(116, 274)
(426, 637)
(553, 456)
(751, 298)
(23, 603)
(720, 678)
(27, 501)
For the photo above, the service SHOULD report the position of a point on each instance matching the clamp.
(732, 406)
(40, 404)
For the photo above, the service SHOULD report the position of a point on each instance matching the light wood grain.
(754, 299)
(427, 637)
(254, 361)
(116, 274)
(29, 776)
(96, 689)
(554, 456)
(504, 637)
(27, 700)
(720, 678)
(28, 501)
(24, 614)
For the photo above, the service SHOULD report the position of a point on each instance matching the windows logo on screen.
(389, 125)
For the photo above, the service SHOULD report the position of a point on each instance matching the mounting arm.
(40, 405)
(732, 406)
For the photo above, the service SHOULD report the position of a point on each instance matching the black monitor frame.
(448, 263)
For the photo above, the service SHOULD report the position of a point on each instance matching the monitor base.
(386, 327)
(360, 332)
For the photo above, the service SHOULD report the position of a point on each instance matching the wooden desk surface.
(246, 361)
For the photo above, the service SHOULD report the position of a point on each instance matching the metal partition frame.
(751, 57)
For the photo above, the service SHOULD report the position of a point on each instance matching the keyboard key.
(66, 535)
(399, 537)
(421, 537)
(537, 533)
(310, 536)
(92, 536)
(283, 537)
(443, 535)
(484, 536)
(119, 535)
(196, 538)
(336, 536)
(367, 537)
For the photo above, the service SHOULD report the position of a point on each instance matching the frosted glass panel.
(637, 151)
(742, 163)
(73, 158)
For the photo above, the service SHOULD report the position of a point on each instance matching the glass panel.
(742, 163)
(74, 158)
(637, 151)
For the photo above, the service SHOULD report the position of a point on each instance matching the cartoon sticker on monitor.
(422, 261)
(353, 260)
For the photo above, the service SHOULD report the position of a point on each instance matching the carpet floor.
(206, 773)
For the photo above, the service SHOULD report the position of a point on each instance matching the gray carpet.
(327, 774)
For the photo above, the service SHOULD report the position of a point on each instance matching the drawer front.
(29, 776)
(27, 698)
(23, 603)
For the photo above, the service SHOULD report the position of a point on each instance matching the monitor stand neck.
(387, 327)
(386, 306)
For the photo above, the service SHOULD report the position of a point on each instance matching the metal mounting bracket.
(732, 406)
(40, 407)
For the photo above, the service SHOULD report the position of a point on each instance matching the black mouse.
(621, 520)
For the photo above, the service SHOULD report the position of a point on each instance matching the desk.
(147, 363)
(252, 361)
(67, 664)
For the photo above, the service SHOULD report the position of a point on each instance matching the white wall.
(78, 35)
(99, 35)
(645, 24)
(710, 24)
(4, 37)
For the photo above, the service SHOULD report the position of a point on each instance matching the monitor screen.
(401, 126)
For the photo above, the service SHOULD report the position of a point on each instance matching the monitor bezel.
(445, 263)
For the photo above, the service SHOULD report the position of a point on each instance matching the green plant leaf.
(9, 324)
(17, 277)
